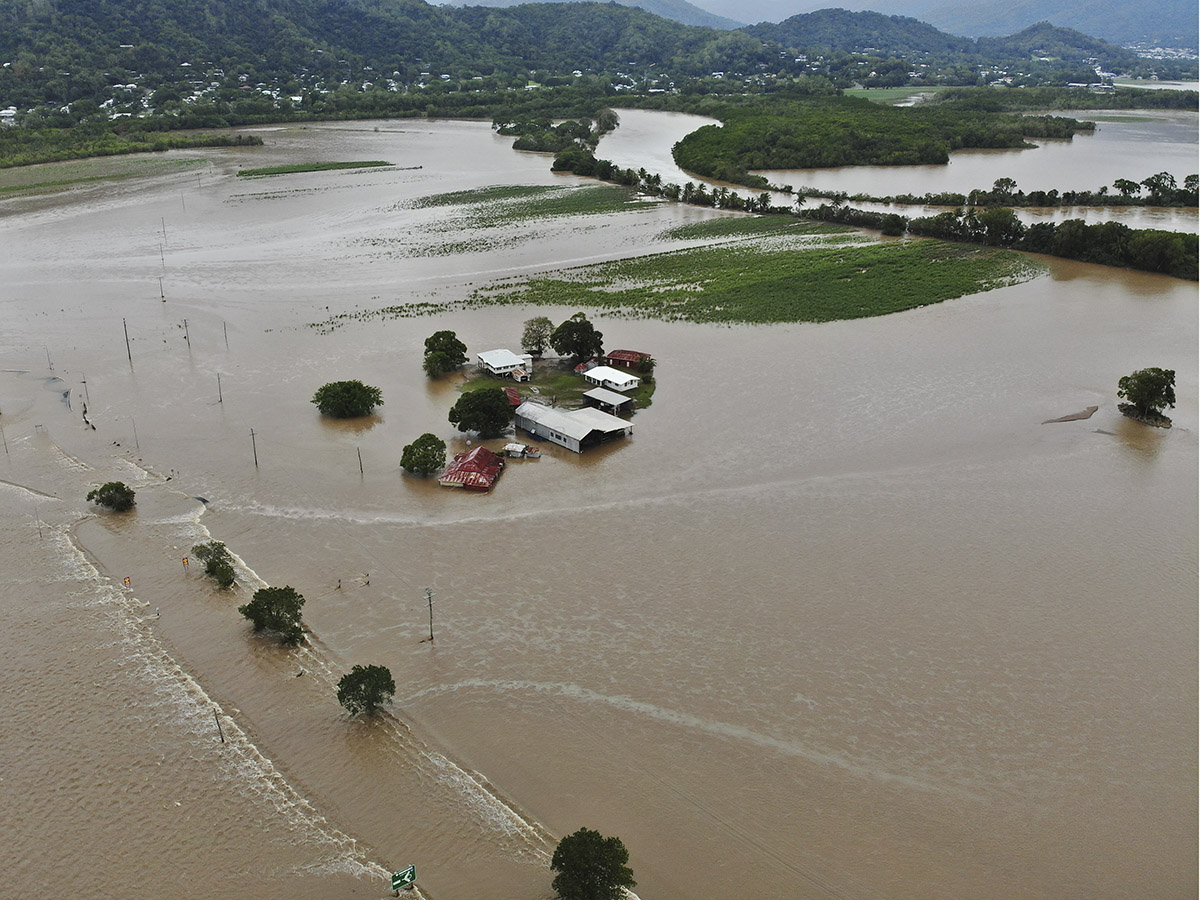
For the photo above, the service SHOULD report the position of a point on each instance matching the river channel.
(843, 619)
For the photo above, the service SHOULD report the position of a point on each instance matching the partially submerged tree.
(347, 399)
(218, 563)
(536, 337)
(1149, 392)
(578, 339)
(444, 352)
(278, 610)
(425, 455)
(116, 495)
(486, 410)
(365, 688)
(591, 867)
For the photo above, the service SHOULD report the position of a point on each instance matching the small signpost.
(404, 878)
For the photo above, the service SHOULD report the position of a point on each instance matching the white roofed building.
(608, 377)
(505, 362)
(575, 429)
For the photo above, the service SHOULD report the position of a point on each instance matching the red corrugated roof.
(633, 356)
(514, 397)
(475, 470)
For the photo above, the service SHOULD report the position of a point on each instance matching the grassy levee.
(297, 168)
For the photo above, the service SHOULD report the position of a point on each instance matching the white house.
(575, 429)
(505, 362)
(608, 377)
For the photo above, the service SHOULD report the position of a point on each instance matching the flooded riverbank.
(842, 619)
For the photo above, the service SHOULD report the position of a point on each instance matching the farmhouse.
(625, 359)
(575, 429)
(506, 363)
(475, 470)
(608, 377)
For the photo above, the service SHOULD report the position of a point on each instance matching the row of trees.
(1106, 243)
(1161, 190)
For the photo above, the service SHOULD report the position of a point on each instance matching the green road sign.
(404, 878)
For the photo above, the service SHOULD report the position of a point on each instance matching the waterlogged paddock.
(842, 619)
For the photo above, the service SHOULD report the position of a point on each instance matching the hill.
(676, 10)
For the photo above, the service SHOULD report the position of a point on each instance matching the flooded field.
(842, 619)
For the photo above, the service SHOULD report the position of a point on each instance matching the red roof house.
(475, 470)
(626, 359)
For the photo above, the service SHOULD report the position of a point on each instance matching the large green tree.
(1149, 392)
(536, 337)
(278, 610)
(218, 562)
(347, 399)
(425, 455)
(591, 867)
(486, 410)
(365, 688)
(444, 352)
(578, 339)
(116, 495)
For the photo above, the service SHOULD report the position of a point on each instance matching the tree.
(218, 563)
(577, 338)
(116, 495)
(365, 688)
(486, 410)
(347, 399)
(444, 352)
(1160, 186)
(536, 337)
(425, 455)
(590, 867)
(278, 610)
(1149, 392)
(1126, 187)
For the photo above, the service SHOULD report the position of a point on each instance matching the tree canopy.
(218, 562)
(536, 337)
(347, 399)
(591, 867)
(1149, 392)
(425, 455)
(116, 495)
(486, 410)
(278, 610)
(365, 688)
(444, 352)
(578, 339)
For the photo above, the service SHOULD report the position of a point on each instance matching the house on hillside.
(575, 429)
(506, 364)
(614, 379)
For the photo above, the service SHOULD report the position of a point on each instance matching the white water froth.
(688, 720)
(189, 707)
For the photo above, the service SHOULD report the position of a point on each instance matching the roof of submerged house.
(476, 469)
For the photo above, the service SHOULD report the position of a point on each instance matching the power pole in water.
(254, 445)
(429, 600)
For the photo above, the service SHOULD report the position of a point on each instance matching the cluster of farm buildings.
(575, 429)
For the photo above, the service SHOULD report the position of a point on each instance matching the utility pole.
(360, 468)
(137, 444)
(86, 396)
(220, 397)
(217, 719)
(161, 293)
(128, 352)
(429, 599)
(254, 445)
(186, 336)
(225, 328)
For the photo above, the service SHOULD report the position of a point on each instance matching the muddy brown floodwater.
(843, 619)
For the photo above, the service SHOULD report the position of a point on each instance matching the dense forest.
(842, 131)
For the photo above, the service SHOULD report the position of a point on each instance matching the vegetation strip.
(312, 167)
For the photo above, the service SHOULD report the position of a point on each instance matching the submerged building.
(575, 429)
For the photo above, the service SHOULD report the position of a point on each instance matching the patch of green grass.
(49, 176)
(556, 383)
(896, 95)
(748, 226)
(505, 205)
(749, 284)
(312, 167)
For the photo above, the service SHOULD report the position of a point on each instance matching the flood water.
(842, 619)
